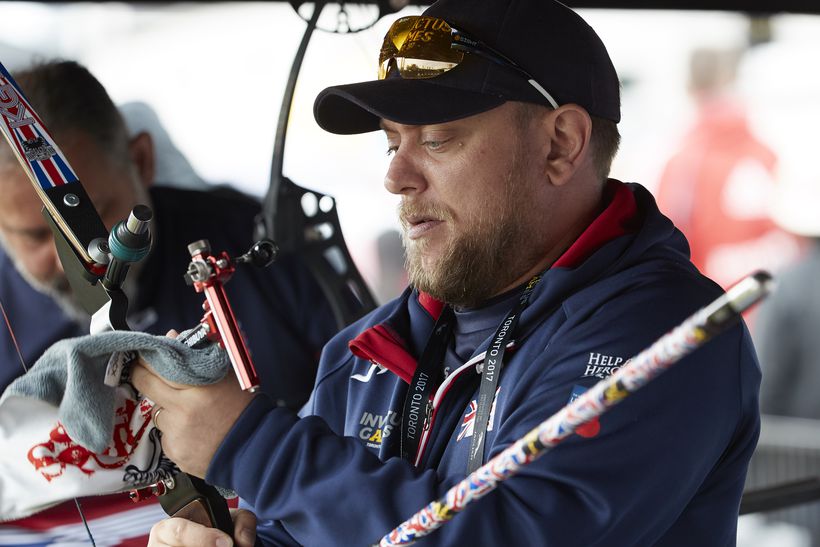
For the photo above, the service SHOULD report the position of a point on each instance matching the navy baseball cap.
(545, 39)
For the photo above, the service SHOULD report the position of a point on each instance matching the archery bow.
(95, 262)
(65, 202)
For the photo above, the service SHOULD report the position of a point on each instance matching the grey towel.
(70, 376)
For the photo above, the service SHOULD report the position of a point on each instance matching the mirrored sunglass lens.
(416, 69)
(393, 41)
(420, 47)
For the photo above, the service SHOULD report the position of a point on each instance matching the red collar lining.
(431, 305)
(613, 222)
(380, 343)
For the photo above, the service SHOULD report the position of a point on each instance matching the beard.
(59, 289)
(481, 261)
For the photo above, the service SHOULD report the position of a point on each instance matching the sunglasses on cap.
(422, 47)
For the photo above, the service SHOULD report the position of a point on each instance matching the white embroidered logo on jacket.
(603, 366)
(369, 375)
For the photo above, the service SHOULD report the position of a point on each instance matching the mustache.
(408, 211)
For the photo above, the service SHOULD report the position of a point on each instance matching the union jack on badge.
(468, 423)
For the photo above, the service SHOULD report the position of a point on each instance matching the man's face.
(474, 201)
(114, 189)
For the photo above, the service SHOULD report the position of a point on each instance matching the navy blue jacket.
(665, 467)
(281, 309)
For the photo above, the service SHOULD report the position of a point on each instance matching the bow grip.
(193, 499)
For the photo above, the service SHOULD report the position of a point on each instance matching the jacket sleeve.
(324, 488)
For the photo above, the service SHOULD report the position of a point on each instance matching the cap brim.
(357, 108)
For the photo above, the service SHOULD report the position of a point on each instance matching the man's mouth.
(414, 220)
(417, 226)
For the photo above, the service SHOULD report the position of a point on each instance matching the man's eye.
(35, 238)
(434, 144)
(391, 150)
(39, 237)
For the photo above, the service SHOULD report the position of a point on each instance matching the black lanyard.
(493, 361)
(418, 401)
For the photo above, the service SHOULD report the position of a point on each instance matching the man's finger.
(244, 527)
(155, 388)
(177, 532)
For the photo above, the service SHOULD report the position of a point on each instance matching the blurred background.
(719, 114)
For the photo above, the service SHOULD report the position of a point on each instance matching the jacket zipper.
(433, 405)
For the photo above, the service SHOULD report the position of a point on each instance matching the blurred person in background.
(787, 337)
(787, 331)
(281, 309)
(718, 186)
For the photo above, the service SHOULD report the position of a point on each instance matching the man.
(500, 149)
(117, 171)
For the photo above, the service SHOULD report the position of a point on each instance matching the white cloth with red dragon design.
(64, 433)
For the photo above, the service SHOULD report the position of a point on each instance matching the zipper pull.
(428, 415)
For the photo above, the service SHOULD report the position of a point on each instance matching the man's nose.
(54, 259)
(403, 175)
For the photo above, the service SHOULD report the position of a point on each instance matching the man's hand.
(176, 532)
(193, 419)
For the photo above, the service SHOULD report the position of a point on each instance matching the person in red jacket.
(718, 187)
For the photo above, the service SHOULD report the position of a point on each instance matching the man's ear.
(141, 150)
(569, 130)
